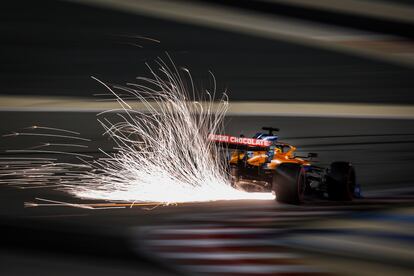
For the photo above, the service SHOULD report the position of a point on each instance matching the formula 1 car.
(263, 163)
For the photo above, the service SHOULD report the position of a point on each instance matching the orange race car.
(265, 164)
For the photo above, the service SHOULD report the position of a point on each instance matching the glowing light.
(163, 154)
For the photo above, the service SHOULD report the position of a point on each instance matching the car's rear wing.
(240, 143)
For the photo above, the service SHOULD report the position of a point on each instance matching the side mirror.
(312, 155)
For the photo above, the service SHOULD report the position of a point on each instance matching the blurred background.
(335, 76)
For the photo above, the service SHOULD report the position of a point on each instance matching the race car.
(262, 163)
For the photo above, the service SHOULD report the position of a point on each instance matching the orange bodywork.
(282, 153)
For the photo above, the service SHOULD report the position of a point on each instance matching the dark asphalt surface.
(111, 241)
(66, 240)
(381, 150)
(57, 240)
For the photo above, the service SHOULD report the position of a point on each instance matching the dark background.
(54, 47)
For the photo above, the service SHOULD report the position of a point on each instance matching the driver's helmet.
(277, 150)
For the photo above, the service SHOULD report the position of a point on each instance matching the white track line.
(249, 269)
(190, 231)
(213, 242)
(286, 109)
(229, 256)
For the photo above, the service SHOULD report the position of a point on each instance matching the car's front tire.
(289, 183)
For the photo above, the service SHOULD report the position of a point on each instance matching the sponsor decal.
(239, 140)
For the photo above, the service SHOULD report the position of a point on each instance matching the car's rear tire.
(341, 180)
(289, 183)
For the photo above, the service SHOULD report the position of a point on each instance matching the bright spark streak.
(163, 154)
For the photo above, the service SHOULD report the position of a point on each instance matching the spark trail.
(162, 153)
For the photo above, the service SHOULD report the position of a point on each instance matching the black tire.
(289, 183)
(341, 181)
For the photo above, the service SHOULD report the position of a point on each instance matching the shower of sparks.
(162, 154)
